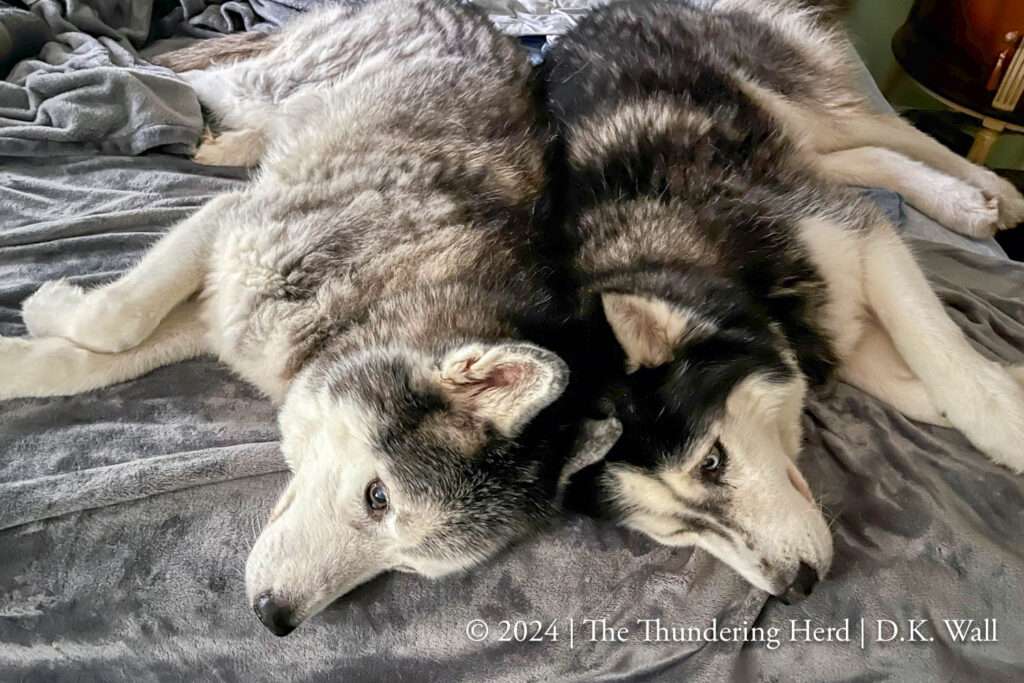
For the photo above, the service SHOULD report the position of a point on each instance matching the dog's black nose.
(805, 581)
(275, 614)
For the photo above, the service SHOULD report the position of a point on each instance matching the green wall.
(871, 24)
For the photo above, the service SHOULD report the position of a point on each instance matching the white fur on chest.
(837, 253)
(250, 323)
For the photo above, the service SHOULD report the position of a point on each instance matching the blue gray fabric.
(126, 514)
(82, 85)
(536, 17)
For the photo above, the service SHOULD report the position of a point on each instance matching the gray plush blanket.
(126, 514)
(82, 85)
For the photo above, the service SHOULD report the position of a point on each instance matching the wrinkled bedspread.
(126, 514)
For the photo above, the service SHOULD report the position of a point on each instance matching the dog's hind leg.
(956, 204)
(54, 366)
(232, 148)
(117, 316)
(875, 367)
(849, 125)
(243, 119)
(979, 397)
(846, 131)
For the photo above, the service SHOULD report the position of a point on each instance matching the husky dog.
(706, 153)
(378, 277)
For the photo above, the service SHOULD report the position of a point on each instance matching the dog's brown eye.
(377, 497)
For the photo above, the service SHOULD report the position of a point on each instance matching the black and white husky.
(379, 277)
(706, 154)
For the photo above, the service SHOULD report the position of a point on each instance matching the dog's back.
(680, 178)
(402, 166)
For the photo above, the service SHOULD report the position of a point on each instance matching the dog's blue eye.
(713, 461)
(377, 496)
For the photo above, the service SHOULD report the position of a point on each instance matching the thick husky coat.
(705, 155)
(380, 277)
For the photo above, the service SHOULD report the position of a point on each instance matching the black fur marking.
(693, 196)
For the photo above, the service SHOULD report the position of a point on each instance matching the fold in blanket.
(83, 87)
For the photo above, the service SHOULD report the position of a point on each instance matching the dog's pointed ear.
(648, 329)
(507, 384)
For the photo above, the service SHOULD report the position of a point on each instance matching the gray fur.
(381, 276)
(400, 219)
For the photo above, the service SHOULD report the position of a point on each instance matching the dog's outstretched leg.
(53, 366)
(120, 315)
(958, 205)
(876, 368)
(823, 130)
(979, 397)
(232, 148)
(892, 132)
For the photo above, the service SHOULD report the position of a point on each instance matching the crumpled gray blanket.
(81, 84)
(75, 81)
(126, 515)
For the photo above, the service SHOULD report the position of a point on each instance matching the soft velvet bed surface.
(126, 514)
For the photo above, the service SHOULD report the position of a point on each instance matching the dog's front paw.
(110, 323)
(103, 319)
(1010, 200)
(232, 148)
(968, 210)
(992, 416)
(47, 312)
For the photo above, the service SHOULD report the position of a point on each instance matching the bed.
(126, 514)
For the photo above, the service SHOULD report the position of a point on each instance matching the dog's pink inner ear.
(506, 384)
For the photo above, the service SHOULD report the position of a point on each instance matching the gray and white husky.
(378, 277)
(706, 154)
